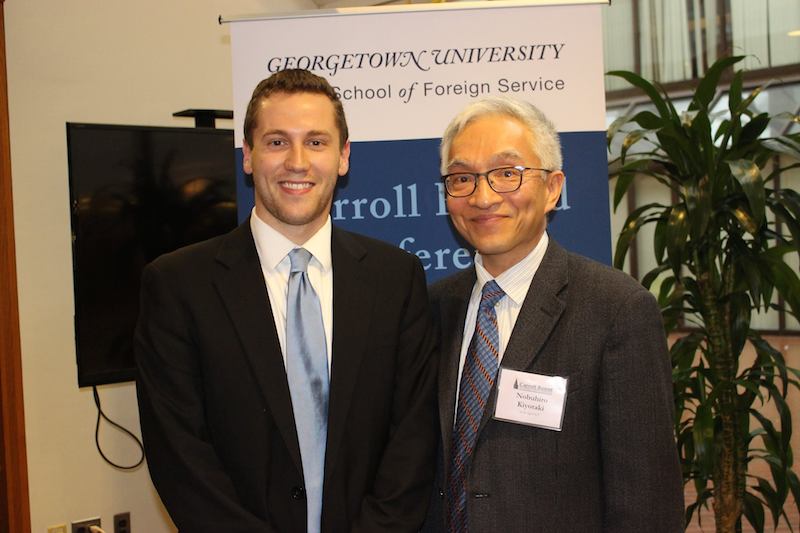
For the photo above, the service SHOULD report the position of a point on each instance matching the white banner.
(404, 75)
(404, 72)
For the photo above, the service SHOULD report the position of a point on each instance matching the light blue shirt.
(273, 254)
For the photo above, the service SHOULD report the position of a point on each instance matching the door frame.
(15, 513)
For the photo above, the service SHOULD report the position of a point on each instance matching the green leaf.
(701, 135)
(623, 183)
(660, 240)
(747, 222)
(615, 126)
(740, 321)
(703, 437)
(782, 276)
(708, 85)
(763, 347)
(785, 414)
(791, 200)
(771, 497)
(632, 224)
(753, 129)
(735, 92)
(754, 512)
(648, 120)
(771, 436)
(648, 88)
(676, 233)
(665, 289)
(752, 275)
(794, 485)
(752, 96)
(703, 495)
(723, 129)
(768, 361)
(690, 509)
(693, 289)
(752, 388)
(641, 163)
(684, 351)
(748, 175)
(783, 145)
(631, 139)
(786, 217)
(698, 208)
(679, 148)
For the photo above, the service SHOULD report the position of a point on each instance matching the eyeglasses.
(504, 179)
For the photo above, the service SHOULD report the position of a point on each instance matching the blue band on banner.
(393, 193)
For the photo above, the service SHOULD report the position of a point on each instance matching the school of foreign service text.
(434, 89)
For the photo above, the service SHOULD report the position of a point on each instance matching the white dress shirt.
(515, 282)
(273, 253)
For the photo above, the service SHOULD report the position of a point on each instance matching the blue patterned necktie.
(307, 372)
(477, 379)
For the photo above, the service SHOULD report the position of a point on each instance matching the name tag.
(530, 399)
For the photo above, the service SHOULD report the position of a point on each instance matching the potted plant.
(720, 257)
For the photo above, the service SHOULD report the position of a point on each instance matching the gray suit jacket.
(613, 466)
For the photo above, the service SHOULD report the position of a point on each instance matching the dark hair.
(293, 81)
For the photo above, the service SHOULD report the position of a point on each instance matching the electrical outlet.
(60, 528)
(82, 526)
(122, 523)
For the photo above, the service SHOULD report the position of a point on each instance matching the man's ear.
(554, 184)
(247, 153)
(344, 159)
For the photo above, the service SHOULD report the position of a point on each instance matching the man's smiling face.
(295, 160)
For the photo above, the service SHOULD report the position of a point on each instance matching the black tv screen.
(136, 193)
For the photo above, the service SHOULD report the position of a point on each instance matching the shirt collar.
(273, 247)
(515, 281)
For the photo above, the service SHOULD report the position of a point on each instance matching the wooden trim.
(723, 23)
(776, 76)
(637, 37)
(14, 505)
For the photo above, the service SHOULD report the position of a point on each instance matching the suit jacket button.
(298, 493)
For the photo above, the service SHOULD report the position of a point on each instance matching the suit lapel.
(241, 287)
(452, 313)
(353, 295)
(540, 311)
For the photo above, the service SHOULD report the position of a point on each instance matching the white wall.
(107, 61)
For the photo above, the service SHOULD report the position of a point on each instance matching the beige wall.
(92, 61)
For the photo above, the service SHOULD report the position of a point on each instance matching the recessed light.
(794, 33)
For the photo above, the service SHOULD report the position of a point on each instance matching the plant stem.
(729, 471)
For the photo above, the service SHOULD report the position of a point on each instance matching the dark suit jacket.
(613, 466)
(214, 400)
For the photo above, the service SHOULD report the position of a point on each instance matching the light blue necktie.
(477, 379)
(307, 372)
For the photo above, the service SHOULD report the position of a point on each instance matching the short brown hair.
(293, 81)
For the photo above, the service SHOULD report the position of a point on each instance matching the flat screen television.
(136, 193)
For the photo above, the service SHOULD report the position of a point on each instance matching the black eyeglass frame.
(521, 169)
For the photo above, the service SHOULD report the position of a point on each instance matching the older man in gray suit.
(555, 396)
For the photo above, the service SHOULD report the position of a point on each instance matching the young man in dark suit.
(286, 382)
(555, 396)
